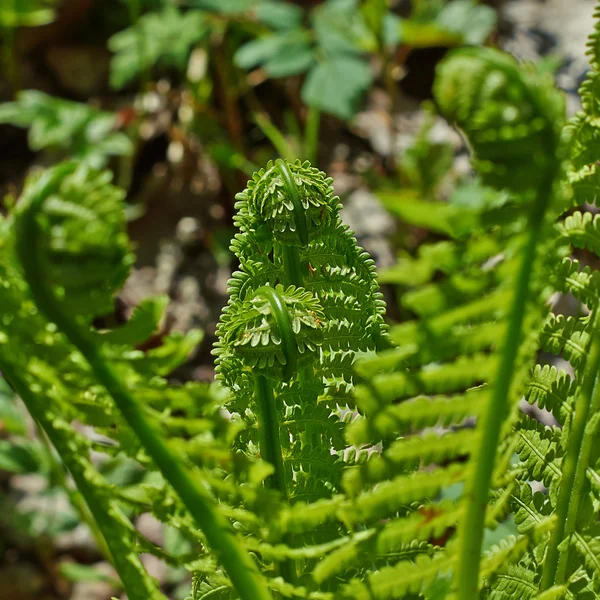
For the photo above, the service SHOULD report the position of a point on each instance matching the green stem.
(275, 136)
(575, 464)
(284, 327)
(292, 267)
(60, 471)
(472, 526)
(311, 134)
(136, 582)
(268, 426)
(217, 529)
(293, 271)
(294, 195)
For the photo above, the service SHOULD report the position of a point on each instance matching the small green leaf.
(268, 50)
(86, 133)
(474, 22)
(340, 29)
(279, 15)
(157, 39)
(336, 86)
(425, 35)
(25, 13)
(144, 321)
(225, 7)
(78, 573)
(293, 59)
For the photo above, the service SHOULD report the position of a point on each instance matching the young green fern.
(470, 353)
(64, 370)
(303, 303)
(398, 501)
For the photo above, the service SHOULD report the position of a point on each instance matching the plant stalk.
(135, 580)
(471, 531)
(575, 464)
(294, 195)
(60, 471)
(311, 134)
(218, 531)
(270, 451)
(292, 267)
(268, 420)
(270, 444)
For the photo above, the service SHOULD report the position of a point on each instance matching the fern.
(66, 213)
(87, 134)
(157, 39)
(350, 462)
(489, 99)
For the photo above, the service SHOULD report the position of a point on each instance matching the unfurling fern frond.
(67, 229)
(303, 303)
(462, 366)
(512, 118)
(343, 461)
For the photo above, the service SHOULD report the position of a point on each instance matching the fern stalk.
(575, 464)
(136, 583)
(218, 531)
(472, 527)
(60, 472)
(270, 450)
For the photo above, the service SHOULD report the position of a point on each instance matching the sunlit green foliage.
(333, 460)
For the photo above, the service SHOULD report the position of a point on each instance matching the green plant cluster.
(332, 47)
(334, 459)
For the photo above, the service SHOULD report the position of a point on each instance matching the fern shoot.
(50, 233)
(335, 459)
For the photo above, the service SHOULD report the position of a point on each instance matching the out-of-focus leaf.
(279, 15)
(225, 7)
(426, 163)
(335, 86)
(144, 321)
(457, 22)
(293, 59)
(26, 13)
(21, 457)
(158, 39)
(256, 52)
(426, 35)
(435, 216)
(473, 194)
(340, 29)
(281, 54)
(78, 572)
(86, 133)
(474, 22)
(12, 420)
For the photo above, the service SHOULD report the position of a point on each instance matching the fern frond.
(552, 390)
(582, 230)
(399, 580)
(538, 448)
